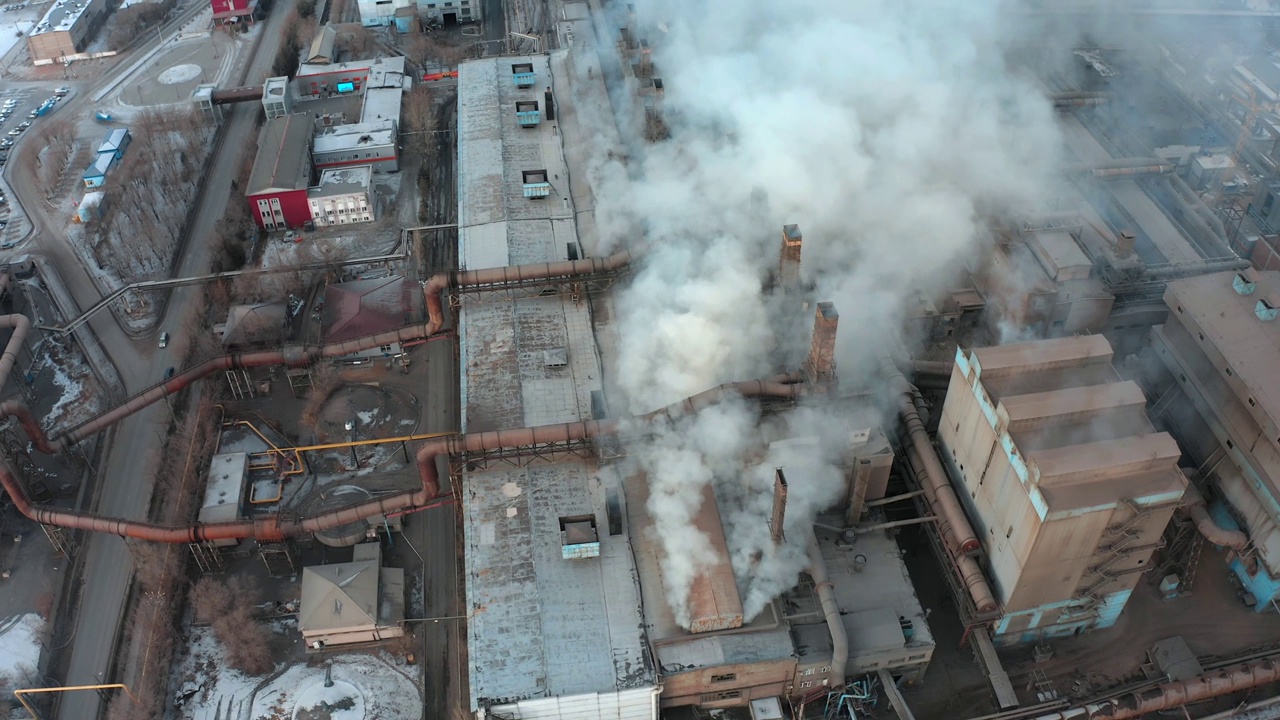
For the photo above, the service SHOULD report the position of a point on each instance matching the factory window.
(724, 695)
(916, 657)
(825, 670)
(806, 683)
(808, 672)
(726, 677)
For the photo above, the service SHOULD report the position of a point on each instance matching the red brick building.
(230, 11)
(277, 190)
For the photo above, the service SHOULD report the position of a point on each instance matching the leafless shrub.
(356, 42)
(420, 121)
(135, 20)
(429, 50)
(325, 379)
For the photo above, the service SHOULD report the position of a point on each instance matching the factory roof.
(339, 138)
(100, 166)
(341, 595)
(498, 226)
(873, 589)
(542, 625)
(381, 103)
(1229, 323)
(343, 181)
(282, 162)
(255, 323)
(1262, 74)
(394, 64)
(224, 492)
(763, 638)
(366, 307)
(1077, 432)
(61, 16)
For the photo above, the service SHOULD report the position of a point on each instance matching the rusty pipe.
(1210, 529)
(747, 389)
(953, 524)
(830, 611)
(1175, 694)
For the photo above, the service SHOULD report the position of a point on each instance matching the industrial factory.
(699, 406)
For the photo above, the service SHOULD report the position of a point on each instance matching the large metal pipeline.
(1122, 167)
(1175, 694)
(957, 534)
(830, 611)
(1202, 267)
(1210, 529)
(276, 527)
(1192, 202)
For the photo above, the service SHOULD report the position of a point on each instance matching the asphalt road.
(124, 486)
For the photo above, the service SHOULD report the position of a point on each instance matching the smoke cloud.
(890, 131)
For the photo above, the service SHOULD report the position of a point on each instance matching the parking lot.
(20, 110)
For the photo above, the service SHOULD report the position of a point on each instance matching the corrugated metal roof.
(283, 161)
(365, 307)
(322, 45)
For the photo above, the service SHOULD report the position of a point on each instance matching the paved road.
(125, 486)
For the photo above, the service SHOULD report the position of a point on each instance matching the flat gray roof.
(381, 104)
(61, 16)
(541, 625)
(282, 162)
(343, 181)
(356, 135)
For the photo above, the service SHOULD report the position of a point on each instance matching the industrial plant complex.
(589, 361)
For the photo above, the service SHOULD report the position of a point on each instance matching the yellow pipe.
(19, 693)
(356, 443)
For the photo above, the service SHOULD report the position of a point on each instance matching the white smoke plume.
(890, 131)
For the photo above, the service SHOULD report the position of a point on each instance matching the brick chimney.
(778, 516)
(820, 368)
(789, 258)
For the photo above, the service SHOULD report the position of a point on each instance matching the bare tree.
(420, 121)
(356, 41)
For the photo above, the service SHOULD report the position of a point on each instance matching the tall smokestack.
(820, 368)
(789, 259)
(779, 507)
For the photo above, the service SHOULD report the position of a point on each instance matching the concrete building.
(1220, 346)
(357, 602)
(375, 13)
(277, 101)
(342, 197)
(372, 144)
(229, 12)
(65, 29)
(257, 324)
(225, 490)
(281, 175)
(347, 77)
(449, 12)
(1068, 484)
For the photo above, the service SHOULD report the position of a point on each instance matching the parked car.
(24, 125)
(6, 143)
(164, 340)
(15, 132)
(61, 92)
(33, 115)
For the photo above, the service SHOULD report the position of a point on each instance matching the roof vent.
(1266, 309)
(555, 358)
(1243, 285)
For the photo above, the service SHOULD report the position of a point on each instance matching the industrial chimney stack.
(789, 259)
(820, 368)
(778, 517)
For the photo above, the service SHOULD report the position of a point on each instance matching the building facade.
(1219, 347)
(227, 12)
(278, 183)
(449, 12)
(1068, 484)
(342, 197)
(65, 29)
(374, 13)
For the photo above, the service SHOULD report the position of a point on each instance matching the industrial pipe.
(236, 95)
(274, 528)
(1175, 694)
(958, 538)
(1192, 201)
(1211, 530)
(1122, 167)
(830, 610)
(1202, 267)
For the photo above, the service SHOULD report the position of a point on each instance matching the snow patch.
(13, 33)
(179, 74)
(20, 647)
